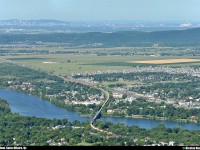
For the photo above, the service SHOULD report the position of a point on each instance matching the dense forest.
(128, 38)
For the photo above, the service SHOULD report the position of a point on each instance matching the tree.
(124, 96)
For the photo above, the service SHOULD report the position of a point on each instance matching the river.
(28, 105)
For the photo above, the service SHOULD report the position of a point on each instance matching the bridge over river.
(98, 114)
(106, 96)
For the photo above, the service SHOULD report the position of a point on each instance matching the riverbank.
(73, 108)
(28, 105)
(148, 117)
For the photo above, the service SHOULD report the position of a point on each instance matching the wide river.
(28, 105)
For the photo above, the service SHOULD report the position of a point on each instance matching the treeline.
(4, 107)
(134, 135)
(129, 38)
(20, 73)
(19, 130)
(28, 51)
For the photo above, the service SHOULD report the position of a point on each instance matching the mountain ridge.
(189, 37)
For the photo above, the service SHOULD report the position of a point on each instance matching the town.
(127, 88)
(151, 96)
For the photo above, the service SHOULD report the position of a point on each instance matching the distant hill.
(189, 37)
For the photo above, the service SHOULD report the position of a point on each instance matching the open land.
(167, 61)
(152, 75)
(64, 64)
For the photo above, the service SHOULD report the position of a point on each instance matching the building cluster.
(182, 70)
(25, 86)
(171, 143)
(119, 92)
(70, 97)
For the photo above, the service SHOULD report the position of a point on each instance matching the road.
(106, 95)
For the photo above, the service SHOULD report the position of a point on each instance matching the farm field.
(64, 64)
(167, 61)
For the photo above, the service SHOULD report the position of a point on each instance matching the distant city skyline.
(98, 10)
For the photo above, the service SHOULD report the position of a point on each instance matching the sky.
(97, 10)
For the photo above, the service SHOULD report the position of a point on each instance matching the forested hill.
(190, 37)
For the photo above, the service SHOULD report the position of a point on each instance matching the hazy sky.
(100, 9)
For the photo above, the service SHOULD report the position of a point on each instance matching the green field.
(88, 144)
(68, 63)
